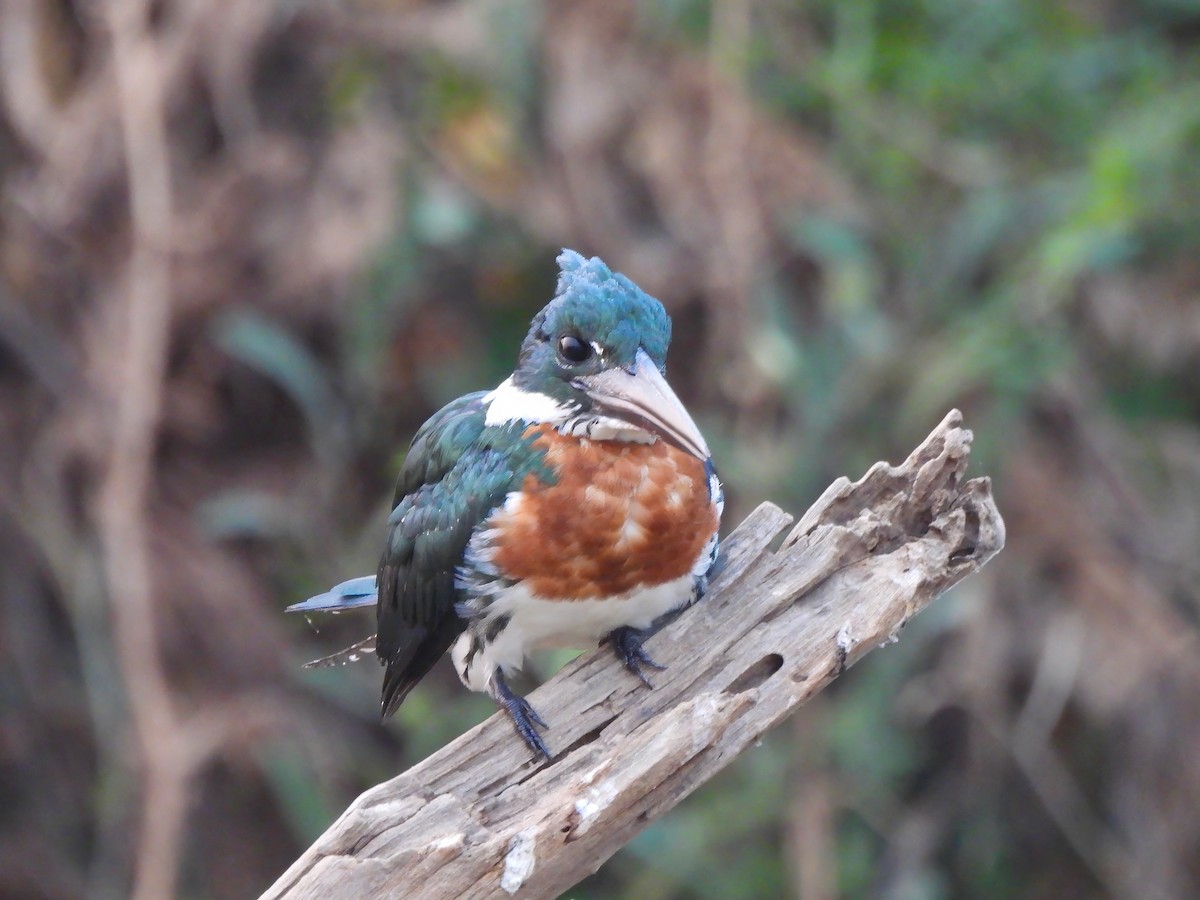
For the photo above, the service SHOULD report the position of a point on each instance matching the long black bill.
(641, 396)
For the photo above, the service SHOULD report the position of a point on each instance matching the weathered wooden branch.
(480, 818)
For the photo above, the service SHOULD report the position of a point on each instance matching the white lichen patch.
(593, 803)
(846, 641)
(519, 861)
(454, 841)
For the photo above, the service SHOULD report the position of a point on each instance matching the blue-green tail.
(353, 594)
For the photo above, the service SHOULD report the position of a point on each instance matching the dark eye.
(572, 349)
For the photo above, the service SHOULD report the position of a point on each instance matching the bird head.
(594, 359)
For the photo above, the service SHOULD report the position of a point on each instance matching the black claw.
(523, 716)
(531, 712)
(627, 644)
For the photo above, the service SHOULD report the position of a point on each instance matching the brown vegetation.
(246, 247)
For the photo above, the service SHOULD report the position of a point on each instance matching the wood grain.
(480, 818)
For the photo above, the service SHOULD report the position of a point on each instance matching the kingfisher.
(576, 502)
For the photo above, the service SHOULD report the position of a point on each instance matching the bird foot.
(627, 644)
(523, 715)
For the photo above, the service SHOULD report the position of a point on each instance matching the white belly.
(536, 623)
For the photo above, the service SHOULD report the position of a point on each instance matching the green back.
(456, 473)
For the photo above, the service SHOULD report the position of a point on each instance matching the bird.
(575, 503)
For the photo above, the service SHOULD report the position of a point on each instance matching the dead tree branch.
(479, 818)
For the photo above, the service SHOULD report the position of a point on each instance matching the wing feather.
(456, 473)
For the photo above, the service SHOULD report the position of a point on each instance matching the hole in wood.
(756, 674)
(966, 550)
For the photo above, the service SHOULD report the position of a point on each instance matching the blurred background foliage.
(859, 213)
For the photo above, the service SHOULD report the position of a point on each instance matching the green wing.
(440, 443)
(457, 472)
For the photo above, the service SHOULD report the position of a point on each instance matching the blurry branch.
(1028, 741)
(741, 239)
(142, 330)
(173, 746)
(478, 818)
